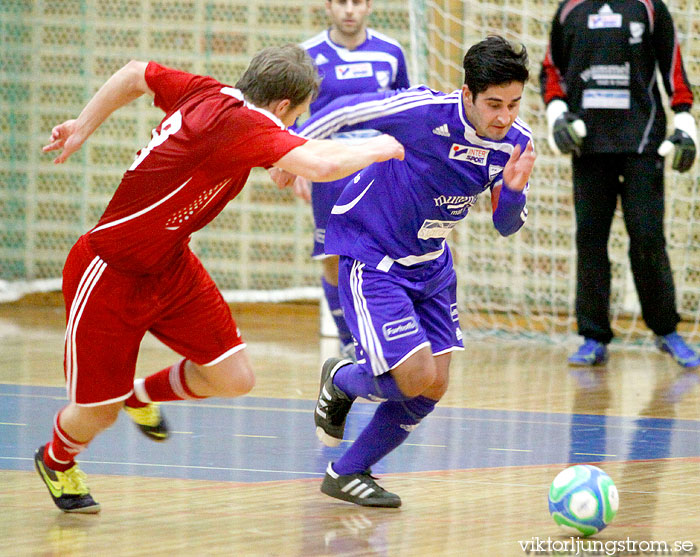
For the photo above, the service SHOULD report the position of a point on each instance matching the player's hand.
(517, 170)
(568, 133)
(566, 130)
(387, 147)
(682, 142)
(282, 178)
(302, 188)
(64, 136)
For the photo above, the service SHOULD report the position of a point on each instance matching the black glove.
(567, 133)
(681, 142)
(684, 151)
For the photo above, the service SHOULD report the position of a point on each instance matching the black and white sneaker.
(359, 488)
(332, 406)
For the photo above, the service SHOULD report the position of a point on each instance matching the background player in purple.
(134, 271)
(389, 227)
(599, 82)
(351, 58)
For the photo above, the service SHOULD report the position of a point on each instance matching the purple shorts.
(394, 314)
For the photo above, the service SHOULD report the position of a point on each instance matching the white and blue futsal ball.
(583, 500)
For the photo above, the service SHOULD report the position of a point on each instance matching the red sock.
(61, 452)
(166, 384)
(134, 402)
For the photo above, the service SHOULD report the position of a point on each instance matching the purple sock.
(389, 427)
(333, 299)
(358, 380)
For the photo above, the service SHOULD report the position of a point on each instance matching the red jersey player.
(134, 271)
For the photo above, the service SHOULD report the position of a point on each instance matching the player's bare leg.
(423, 374)
(229, 378)
(330, 269)
(83, 423)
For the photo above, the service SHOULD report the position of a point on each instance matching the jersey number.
(167, 128)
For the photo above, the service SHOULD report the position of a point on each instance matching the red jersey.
(198, 159)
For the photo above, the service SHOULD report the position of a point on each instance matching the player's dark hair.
(280, 72)
(494, 61)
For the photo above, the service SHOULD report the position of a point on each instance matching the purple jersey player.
(389, 227)
(351, 58)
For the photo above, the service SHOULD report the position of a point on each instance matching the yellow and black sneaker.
(68, 489)
(150, 421)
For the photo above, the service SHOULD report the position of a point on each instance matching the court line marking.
(10, 423)
(421, 475)
(445, 406)
(180, 466)
(25, 395)
(358, 410)
(404, 444)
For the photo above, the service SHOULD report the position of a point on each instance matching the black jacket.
(602, 60)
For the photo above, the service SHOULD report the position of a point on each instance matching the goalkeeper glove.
(682, 142)
(566, 130)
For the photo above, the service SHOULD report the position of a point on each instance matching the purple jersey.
(378, 64)
(403, 211)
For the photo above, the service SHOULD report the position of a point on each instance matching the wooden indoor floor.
(474, 483)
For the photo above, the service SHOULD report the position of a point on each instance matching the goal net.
(54, 56)
(525, 284)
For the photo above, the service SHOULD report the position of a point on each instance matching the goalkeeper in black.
(599, 83)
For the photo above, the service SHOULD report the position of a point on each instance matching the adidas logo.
(323, 403)
(442, 130)
(320, 59)
(358, 488)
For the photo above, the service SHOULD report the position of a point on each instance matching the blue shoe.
(674, 344)
(590, 353)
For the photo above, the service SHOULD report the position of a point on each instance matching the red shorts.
(108, 313)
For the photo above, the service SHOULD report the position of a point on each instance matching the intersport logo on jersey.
(473, 155)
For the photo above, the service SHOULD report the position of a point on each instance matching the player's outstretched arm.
(327, 160)
(517, 170)
(124, 86)
(508, 198)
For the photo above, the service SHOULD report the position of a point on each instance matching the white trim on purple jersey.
(403, 211)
